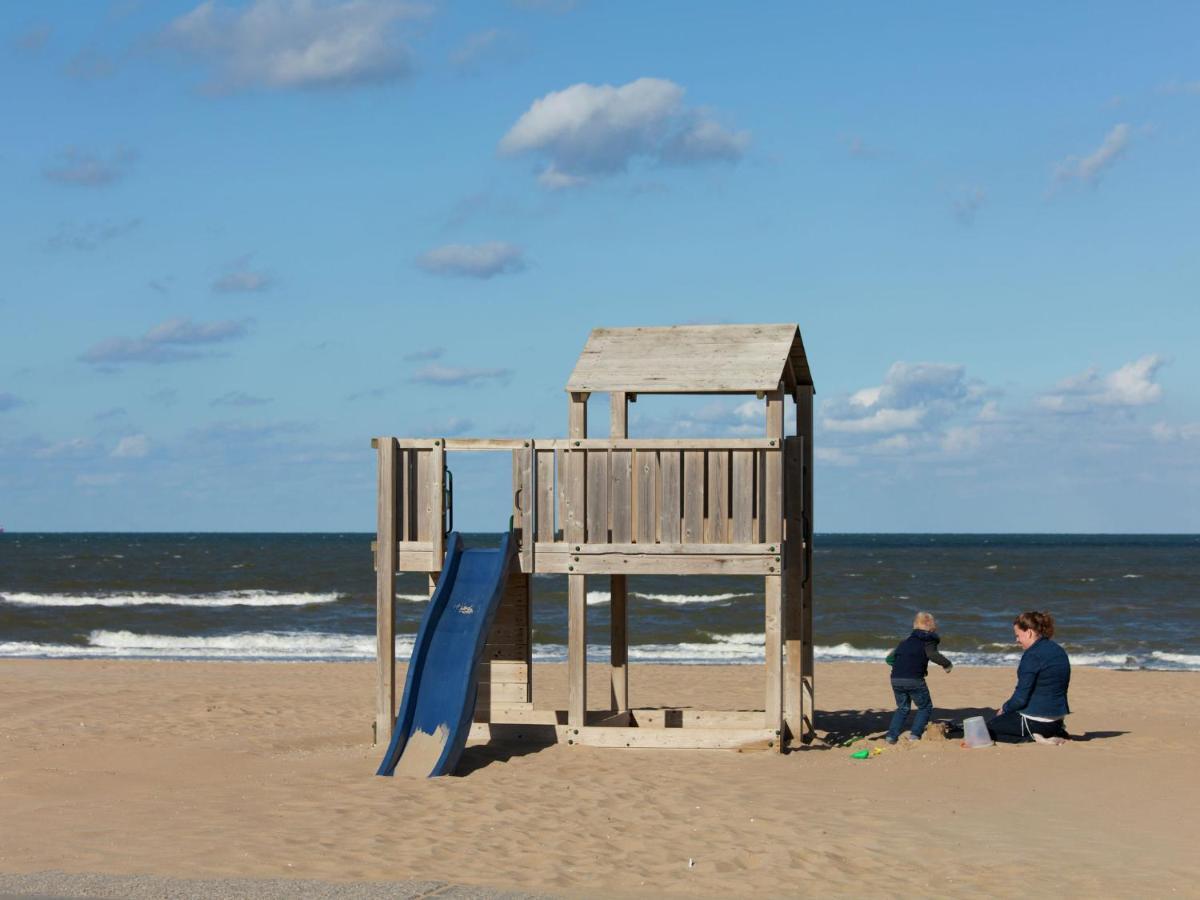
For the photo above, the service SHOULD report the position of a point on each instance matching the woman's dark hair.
(1040, 622)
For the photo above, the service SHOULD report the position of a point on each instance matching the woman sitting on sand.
(1037, 707)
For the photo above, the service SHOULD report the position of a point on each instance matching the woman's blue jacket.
(1042, 681)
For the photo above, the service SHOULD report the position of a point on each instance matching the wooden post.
(804, 426)
(621, 528)
(574, 531)
(385, 591)
(771, 514)
(793, 577)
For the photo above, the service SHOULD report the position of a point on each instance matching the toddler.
(910, 665)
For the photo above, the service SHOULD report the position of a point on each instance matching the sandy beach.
(236, 770)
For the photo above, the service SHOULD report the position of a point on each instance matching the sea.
(1120, 601)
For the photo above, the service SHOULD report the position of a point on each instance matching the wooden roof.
(692, 359)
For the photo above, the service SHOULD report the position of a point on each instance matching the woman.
(1037, 707)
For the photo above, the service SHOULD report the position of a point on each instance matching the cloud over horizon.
(296, 44)
(484, 260)
(85, 169)
(589, 131)
(169, 342)
(1091, 168)
(458, 376)
(1130, 385)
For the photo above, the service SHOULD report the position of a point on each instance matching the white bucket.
(975, 733)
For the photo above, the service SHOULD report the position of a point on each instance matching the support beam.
(793, 586)
(385, 591)
(574, 529)
(618, 594)
(804, 425)
(771, 513)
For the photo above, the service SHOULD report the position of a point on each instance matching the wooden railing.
(619, 505)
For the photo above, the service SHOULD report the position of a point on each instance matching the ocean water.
(1120, 601)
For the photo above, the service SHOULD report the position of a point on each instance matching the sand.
(265, 771)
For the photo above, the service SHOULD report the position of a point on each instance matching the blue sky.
(239, 239)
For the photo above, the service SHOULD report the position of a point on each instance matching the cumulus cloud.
(296, 44)
(89, 235)
(1131, 385)
(473, 260)
(241, 279)
(1167, 433)
(587, 131)
(911, 393)
(1091, 168)
(239, 398)
(71, 448)
(86, 169)
(9, 401)
(457, 376)
(174, 340)
(133, 446)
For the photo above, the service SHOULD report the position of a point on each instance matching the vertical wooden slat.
(717, 523)
(385, 591)
(693, 497)
(669, 489)
(574, 531)
(421, 513)
(646, 473)
(774, 655)
(793, 586)
(525, 505)
(743, 496)
(597, 496)
(621, 518)
(804, 425)
(772, 507)
(437, 504)
(545, 495)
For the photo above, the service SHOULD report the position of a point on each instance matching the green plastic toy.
(861, 754)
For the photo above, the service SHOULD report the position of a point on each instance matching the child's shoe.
(912, 737)
(889, 739)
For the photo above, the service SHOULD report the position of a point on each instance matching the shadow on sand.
(840, 726)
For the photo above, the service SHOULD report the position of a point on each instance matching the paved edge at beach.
(65, 885)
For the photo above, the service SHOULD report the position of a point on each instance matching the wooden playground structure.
(590, 507)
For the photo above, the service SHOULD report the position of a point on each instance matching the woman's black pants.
(1012, 728)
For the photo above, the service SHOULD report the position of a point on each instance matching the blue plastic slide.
(439, 692)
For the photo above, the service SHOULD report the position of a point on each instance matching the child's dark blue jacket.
(911, 658)
(1042, 681)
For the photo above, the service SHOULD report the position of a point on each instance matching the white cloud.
(1092, 167)
(74, 447)
(1166, 433)
(457, 376)
(85, 169)
(241, 279)
(283, 44)
(1131, 385)
(587, 131)
(473, 260)
(170, 341)
(133, 446)
(881, 420)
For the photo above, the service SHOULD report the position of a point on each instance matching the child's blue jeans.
(910, 691)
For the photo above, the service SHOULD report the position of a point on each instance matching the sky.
(239, 239)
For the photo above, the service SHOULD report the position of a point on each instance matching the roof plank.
(691, 359)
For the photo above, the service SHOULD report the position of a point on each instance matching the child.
(910, 664)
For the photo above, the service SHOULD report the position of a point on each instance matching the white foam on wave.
(145, 598)
(1131, 576)
(1184, 659)
(413, 598)
(598, 598)
(689, 599)
(279, 646)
